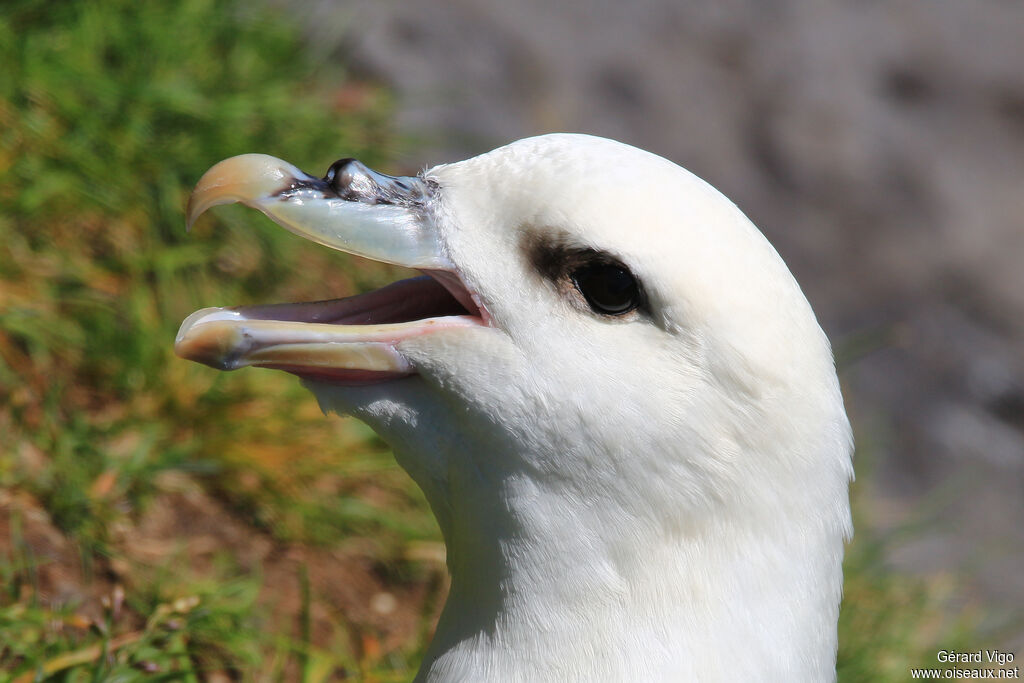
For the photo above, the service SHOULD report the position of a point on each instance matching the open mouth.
(350, 341)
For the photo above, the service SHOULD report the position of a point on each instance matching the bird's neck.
(545, 587)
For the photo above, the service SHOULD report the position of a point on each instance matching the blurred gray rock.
(880, 146)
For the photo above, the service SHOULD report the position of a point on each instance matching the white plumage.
(654, 496)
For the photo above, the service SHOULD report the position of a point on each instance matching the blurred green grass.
(116, 457)
(109, 112)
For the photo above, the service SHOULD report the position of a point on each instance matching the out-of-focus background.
(160, 520)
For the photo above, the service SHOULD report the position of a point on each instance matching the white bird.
(612, 391)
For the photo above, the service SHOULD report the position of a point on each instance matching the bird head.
(605, 373)
(594, 317)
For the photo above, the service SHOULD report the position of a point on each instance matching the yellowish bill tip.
(244, 178)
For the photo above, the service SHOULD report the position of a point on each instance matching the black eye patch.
(592, 277)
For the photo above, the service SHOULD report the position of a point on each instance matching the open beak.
(352, 209)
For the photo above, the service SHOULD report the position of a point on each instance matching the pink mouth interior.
(417, 298)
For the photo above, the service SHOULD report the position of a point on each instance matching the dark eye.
(608, 288)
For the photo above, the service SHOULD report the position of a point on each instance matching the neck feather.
(547, 587)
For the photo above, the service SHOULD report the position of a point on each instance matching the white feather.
(657, 499)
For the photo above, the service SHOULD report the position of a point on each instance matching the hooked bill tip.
(244, 178)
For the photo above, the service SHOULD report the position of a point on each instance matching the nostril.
(340, 174)
(352, 180)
